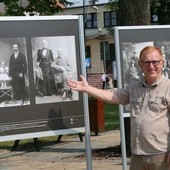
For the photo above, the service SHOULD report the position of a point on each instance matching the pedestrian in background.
(105, 81)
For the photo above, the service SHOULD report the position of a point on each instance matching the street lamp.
(98, 18)
(96, 8)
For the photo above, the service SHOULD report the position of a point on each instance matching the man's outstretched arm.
(83, 86)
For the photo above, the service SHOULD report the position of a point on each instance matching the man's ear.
(163, 62)
(139, 63)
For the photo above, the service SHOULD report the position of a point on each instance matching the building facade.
(98, 21)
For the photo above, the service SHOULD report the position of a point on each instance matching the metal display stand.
(46, 110)
(80, 136)
(35, 143)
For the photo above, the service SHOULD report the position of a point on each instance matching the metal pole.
(104, 60)
(85, 104)
(84, 20)
(89, 165)
(122, 128)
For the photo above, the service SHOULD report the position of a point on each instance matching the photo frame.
(48, 107)
(129, 41)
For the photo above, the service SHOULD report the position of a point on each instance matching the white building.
(98, 20)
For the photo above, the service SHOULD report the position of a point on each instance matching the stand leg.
(81, 137)
(15, 145)
(96, 133)
(36, 144)
(59, 138)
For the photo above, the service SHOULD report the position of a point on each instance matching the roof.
(80, 2)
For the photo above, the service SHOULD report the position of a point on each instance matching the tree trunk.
(134, 12)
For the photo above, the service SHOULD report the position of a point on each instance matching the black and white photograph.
(165, 47)
(54, 61)
(131, 69)
(14, 81)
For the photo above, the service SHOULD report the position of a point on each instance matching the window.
(154, 19)
(88, 52)
(88, 57)
(91, 20)
(104, 50)
(110, 19)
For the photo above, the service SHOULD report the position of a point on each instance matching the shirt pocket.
(157, 105)
(136, 103)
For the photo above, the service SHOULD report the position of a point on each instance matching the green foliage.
(113, 5)
(43, 7)
(13, 9)
(161, 8)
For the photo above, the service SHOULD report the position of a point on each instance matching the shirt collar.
(143, 84)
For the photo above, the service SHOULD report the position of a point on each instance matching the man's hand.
(78, 85)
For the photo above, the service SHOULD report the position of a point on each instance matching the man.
(105, 80)
(44, 59)
(150, 111)
(17, 72)
(61, 62)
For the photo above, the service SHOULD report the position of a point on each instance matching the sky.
(80, 2)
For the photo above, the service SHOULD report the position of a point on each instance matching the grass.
(27, 143)
(111, 116)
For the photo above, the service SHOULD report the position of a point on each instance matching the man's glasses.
(154, 62)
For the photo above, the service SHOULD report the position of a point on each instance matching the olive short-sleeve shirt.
(150, 115)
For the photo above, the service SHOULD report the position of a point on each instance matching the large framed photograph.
(38, 55)
(50, 83)
(130, 40)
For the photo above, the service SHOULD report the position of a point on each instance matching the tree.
(134, 12)
(131, 12)
(145, 12)
(160, 9)
(43, 7)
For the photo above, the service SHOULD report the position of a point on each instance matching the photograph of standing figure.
(44, 60)
(52, 67)
(17, 72)
(14, 81)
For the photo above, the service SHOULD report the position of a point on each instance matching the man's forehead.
(151, 54)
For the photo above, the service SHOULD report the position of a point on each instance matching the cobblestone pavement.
(64, 155)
